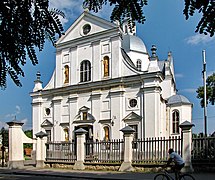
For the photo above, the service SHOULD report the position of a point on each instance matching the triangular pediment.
(132, 117)
(75, 31)
(84, 109)
(46, 123)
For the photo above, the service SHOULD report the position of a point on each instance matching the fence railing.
(151, 150)
(203, 149)
(148, 150)
(105, 151)
(61, 151)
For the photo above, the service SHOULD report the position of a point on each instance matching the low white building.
(104, 80)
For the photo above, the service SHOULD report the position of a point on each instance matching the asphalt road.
(57, 174)
(33, 177)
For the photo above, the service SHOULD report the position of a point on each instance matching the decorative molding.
(83, 121)
(104, 121)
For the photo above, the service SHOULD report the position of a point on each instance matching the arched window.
(66, 74)
(106, 66)
(175, 122)
(85, 71)
(139, 65)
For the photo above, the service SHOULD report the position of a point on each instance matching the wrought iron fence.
(61, 151)
(148, 150)
(152, 150)
(105, 151)
(203, 149)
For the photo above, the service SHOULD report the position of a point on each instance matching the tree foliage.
(123, 9)
(206, 24)
(210, 91)
(24, 26)
(28, 133)
(4, 135)
(133, 10)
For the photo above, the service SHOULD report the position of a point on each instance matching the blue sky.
(165, 27)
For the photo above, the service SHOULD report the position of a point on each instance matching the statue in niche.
(66, 73)
(66, 131)
(106, 66)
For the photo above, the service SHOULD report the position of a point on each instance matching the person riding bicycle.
(178, 162)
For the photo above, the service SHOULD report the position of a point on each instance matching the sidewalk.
(105, 175)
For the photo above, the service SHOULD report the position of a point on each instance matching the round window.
(86, 29)
(133, 103)
(48, 111)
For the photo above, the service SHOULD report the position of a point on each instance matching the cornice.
(114, 32)
(99, 85)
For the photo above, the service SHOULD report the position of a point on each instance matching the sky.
(165, 27)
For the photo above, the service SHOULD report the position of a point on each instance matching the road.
(57, 174)
(33, 177)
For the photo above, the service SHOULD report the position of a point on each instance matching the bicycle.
(165, 175)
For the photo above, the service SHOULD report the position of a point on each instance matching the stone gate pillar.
(128, 138)
(40, 149)
(80, 153)
(16, 154)
(186, 145)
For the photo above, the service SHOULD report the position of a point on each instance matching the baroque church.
(106, 79)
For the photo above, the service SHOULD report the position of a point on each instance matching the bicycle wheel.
(161, 177)
(186, 177)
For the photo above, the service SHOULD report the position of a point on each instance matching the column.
(186, 145)
(128, 134)
(80, 134)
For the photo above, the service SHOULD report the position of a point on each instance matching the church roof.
(133, 43)
(161, 65)
(176, 99)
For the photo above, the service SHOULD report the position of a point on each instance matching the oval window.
(48, 111)
(86, 29)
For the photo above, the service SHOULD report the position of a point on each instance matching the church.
(105, 79)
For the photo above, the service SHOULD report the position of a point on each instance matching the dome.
(175, 99)
(133, 43)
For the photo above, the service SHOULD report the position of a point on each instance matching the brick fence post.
(128, 134)
(186, 145)
(80, 153)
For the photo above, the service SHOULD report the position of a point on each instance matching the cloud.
(209, 73)
(3, 124)
(27, 125)
(199, 39)
(73, 8)
(24, 121)
(12, 115)
(70, 8)
(18, 109)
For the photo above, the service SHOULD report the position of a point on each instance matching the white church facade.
(104, 80)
